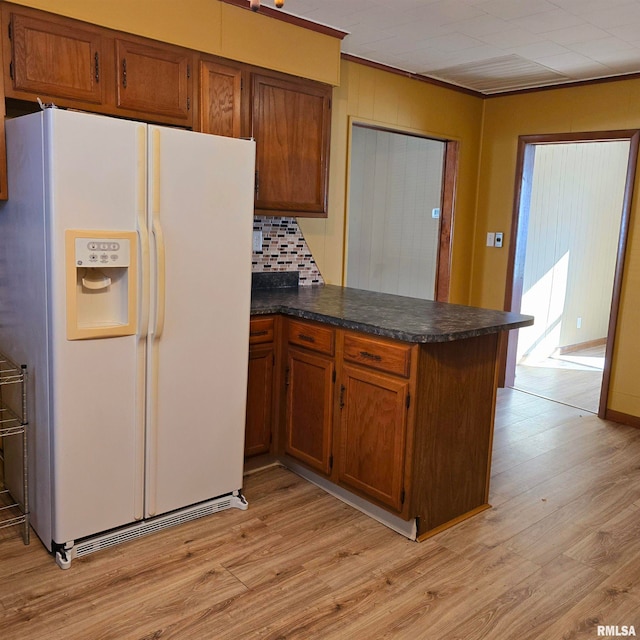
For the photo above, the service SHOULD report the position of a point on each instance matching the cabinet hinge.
(273, 359)
(333, 376)
(10, 27)
(408, 400)
(402, 497)
(188, 103)
(11, 69)
(331, 461)
(257, 184)
(241, 84)
(188, 71)
(286, 377)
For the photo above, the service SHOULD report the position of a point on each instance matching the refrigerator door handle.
(143, 311)
(158, 237)
(156, 333)
(143, 232)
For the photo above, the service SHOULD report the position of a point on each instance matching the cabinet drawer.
(261, 330)
(311, 336)
(384, 356)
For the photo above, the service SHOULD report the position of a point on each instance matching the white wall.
(393, 240)
(574, 224)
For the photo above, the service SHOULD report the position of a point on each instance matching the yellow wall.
(213, 27)
(390, 100)
(599, 107)
(488, 131)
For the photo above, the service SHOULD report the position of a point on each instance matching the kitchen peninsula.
(386, 401)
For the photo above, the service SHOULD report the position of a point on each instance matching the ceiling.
(488, 46)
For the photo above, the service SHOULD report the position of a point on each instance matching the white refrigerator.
(125, 276)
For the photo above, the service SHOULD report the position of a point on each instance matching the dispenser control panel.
(102, 252)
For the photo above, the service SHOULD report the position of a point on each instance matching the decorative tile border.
(284, 249)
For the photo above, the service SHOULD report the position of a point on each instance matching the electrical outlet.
(498, 240)
(257, 240)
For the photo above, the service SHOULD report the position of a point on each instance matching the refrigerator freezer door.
(91, 169)
(201, 216)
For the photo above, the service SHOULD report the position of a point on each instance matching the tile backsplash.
(284, 249)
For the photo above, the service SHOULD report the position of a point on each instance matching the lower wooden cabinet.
(373, 433)
(257, 437)
(309, 381)
(260, 389)
(407, 427)
(346, 411)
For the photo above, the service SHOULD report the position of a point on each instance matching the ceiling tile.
(511, 9)
(548, 21)
(582, 38)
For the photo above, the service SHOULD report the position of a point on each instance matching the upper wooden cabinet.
(84, 66)
(79, 65)
(290, 122)
(53, 58)
(154, 80)
(220, 97)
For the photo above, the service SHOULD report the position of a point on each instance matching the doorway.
(565, 265)
(401, 192)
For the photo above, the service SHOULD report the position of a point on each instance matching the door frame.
(518, 236)
(447, 202)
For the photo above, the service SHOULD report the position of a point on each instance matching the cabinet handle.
(306, 338)
(124, 72)
(342, 390)
(259, 333)
(96, 66)
(370, 356)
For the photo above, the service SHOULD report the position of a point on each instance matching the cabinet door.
(291, 121)
(373, 429)
(154, 80)
(220, 92)
(259, 395)
(55, 59)
(309, 407)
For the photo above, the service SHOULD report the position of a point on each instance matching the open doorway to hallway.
(400, 214)
(571, 211)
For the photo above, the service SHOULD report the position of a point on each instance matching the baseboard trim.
(579, 346)
(622, 418)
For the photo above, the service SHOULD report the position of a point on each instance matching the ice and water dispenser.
(101, 283)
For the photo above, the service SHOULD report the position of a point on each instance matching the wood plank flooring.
(574, 378)
(557, 555)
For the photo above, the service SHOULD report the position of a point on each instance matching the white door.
(93, 184)
(201, 216)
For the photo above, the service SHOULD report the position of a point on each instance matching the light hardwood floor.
(574, 378)
(558, 554)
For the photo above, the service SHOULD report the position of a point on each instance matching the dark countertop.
(382, 314)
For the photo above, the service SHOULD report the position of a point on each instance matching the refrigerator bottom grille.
(139, 529)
